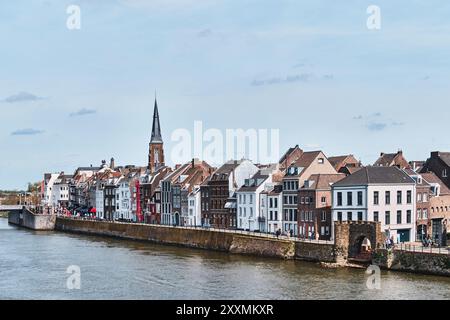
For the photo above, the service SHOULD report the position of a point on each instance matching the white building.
(60, 191)
(194, 217)
(99, 199)
(274, 206)
(49, 180)
(384, 194)
(123, 201)
(249, 215)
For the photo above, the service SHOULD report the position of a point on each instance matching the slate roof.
(431, 177)
(258, 180)
(376, 175)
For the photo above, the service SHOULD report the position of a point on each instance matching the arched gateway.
(355, 240)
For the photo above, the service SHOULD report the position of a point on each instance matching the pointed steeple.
(156, 128)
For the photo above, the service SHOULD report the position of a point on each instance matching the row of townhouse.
(303, 194)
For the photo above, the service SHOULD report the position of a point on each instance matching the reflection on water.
(33, 266)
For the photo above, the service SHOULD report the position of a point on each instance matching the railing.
(416, 248)
(236, 231)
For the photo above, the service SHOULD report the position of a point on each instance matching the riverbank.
(231, 242)
(35, 265)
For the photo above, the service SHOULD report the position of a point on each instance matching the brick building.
(314, 206)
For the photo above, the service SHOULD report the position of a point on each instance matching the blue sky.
(70, 98)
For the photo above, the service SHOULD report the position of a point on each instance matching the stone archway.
(350, 237)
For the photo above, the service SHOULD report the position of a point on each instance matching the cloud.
(304, 77)
(396, 124)
(205, 33)
(27, 132)
(22, 97)
(376, 126)
(358, 117)
(83, 112)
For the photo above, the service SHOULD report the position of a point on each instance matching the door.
(404, 235)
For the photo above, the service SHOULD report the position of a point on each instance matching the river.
(33, 265)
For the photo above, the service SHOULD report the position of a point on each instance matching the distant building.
(382, 194)
(392, 160)
(439, 163)
(314, 206)
(249, 214)
(175, 190)
(313, 162)
(346, 164)
(218, 193)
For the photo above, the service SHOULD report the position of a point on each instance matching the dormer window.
(444, 173)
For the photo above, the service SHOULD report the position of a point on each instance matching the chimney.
(111, 164)
(381, 154)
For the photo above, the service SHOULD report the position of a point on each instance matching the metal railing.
(417, 248)
(259, 234)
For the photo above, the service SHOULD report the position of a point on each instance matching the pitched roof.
(336, 160)
(375, 175)
(431, 177)
(323, 181)
(307, 158)
(254, 182)
(385, 159)
(445, 156)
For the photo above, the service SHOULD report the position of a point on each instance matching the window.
(320, 160)
(425, 213)
(349, 216)
(376, 199)
(399, 197)
(419, 197)
(339, 216)
(360, 198)
(324, 216)
(399, 217)
(349, 198)
(323, 200)
(360, 216)
(375, 216)
(387, 197)
(408, 196)
(387, 217)
(339, 198)
(408, 216)
(425, 197)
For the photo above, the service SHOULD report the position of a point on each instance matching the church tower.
(156, 149)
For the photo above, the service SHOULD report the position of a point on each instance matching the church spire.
(156, 148)
(156, 128)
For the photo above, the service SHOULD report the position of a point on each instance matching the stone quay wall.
(27, 219)
(418, 262)
(188, 237)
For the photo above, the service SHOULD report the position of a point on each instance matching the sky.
(312, 69)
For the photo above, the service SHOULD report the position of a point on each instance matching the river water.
(33, 265)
